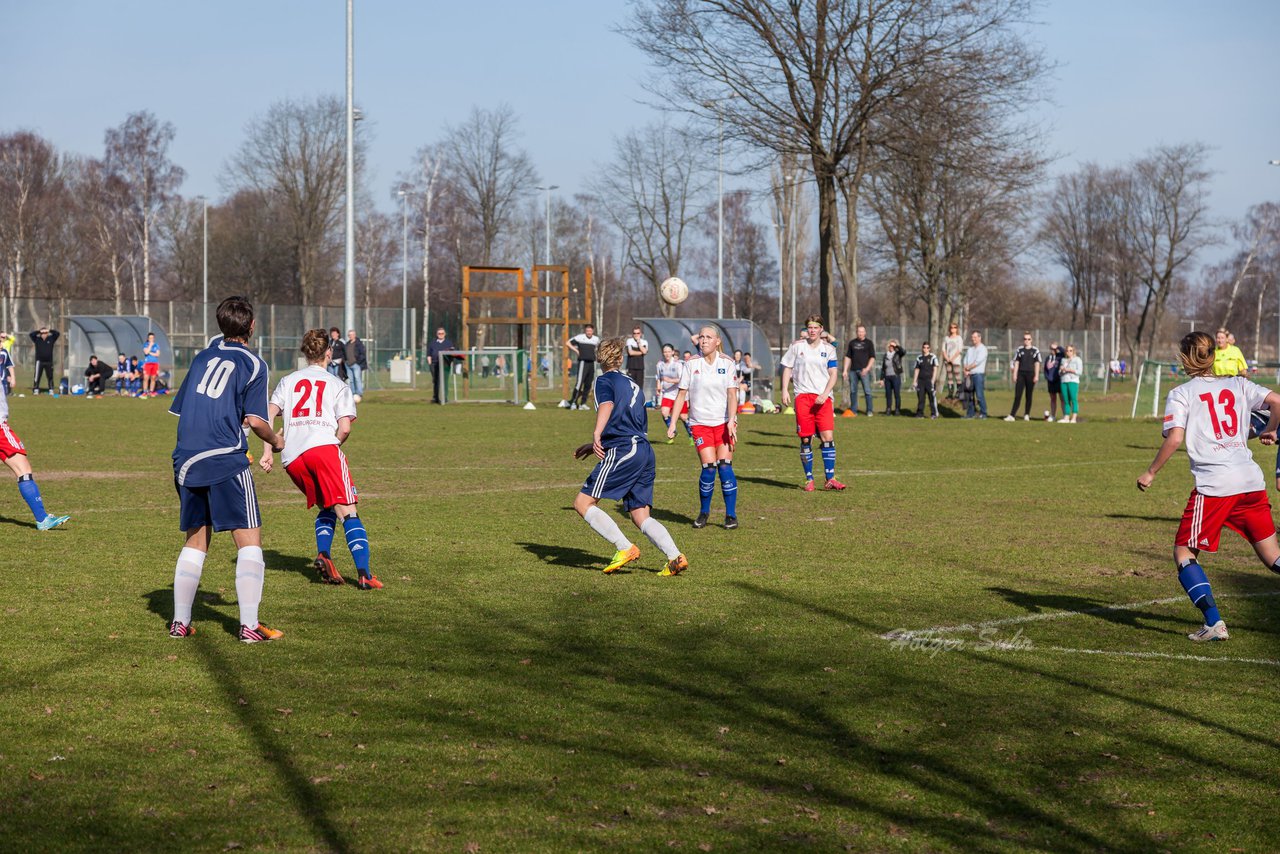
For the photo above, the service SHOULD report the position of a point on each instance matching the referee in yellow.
(1228, 361)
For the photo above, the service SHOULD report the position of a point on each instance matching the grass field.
(501, 694)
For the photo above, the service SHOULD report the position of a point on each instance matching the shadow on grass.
(1038, 603)
(279, 562)
(569, 556)
(674, 518)
(768, 481)
(769, 444)
(21, 523)
(1163, 519)
(311, 806)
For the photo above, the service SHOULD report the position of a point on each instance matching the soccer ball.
(673, 291)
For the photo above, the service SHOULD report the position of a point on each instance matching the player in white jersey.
(667, 379)
(318, 411)
(709, 386)
(1212, 414)
(813, 363)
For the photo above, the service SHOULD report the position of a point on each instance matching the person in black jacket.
(96, 376)
(436, 361)
(44, 338)
(891, 374)
(1025, 366)
(357, 364)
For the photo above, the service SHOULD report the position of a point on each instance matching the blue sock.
(1197, 586)
(666, 419)
(706, 486)
(728, 487)
(806, 458)
(325, 522)
(829, 459)
(687, 428)
(31, 495)
(358, 542)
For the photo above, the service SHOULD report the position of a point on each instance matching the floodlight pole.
(720, 218)
(204, 300)
(404, 267)
(349, 290)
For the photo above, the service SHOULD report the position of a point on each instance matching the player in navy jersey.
(626, 468)
(225, 388)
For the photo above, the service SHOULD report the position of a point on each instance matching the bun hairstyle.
(1196, 354)
(609, 354)
(315, 344)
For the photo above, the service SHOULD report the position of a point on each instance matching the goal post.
(1152, 376)
(491, 375)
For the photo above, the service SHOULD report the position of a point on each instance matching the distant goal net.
(491, 375)
(1152, 385)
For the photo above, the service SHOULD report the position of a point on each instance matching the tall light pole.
(404, 195)
(204, 300)
(795, 251)
(349, 291)
(714, 104)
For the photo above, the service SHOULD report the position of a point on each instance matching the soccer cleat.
(808, 486)
(259, 634)
(675, 566)
(368, 582)
(181, 630)
(692, 444)
(701, 521)
(328, 572)
(48, 523)
(730, 522)
(1026, 418)
(834, 484)
(671, 441)
(621, 559)
(1216, 632)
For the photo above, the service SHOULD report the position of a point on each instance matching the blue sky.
(1132, 74)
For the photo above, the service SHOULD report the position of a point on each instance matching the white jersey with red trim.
(708, 385)
(311, 401)
(810, 366)
(1214, 412)
(669, 374)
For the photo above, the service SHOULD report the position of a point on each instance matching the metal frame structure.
(523, 317)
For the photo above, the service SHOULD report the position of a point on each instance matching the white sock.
(186, 581)
(603, 525)
(250, 567)
(660, 537)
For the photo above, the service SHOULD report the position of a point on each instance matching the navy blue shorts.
(626, 473)
(228, 505)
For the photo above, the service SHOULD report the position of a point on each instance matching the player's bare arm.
(676, 406)
(786, 383)
(602, 418)
(1268, 435)
(733, 416)
(344, 428)
(263, 431)
(265, 459)
(1171, 443)
(831, 384)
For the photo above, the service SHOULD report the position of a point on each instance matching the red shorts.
(710, 437)
(151, 369)
(811, 419)
(321, 473)
(669, 402)
(1248, 514)
(10, 444)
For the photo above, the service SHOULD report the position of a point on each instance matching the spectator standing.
(583, 345)
(7, 377)
(150, 365)
(1228, 361)
(1053, 379)
(43, 338)
(891, 373)
(924, 379)
(337, 354)
(357, 362)
(1072, 367)
(95, 376)
(435, 361)
(1025, 367)
(859, 356)
(953, 358)
(637, 347)
(975, 374)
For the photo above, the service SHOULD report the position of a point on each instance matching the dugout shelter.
(108, 335)
(735, 333)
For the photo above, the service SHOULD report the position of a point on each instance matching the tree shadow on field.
(768, 481)
(291, 563)
(569, 556)
(670, 516)
(1162, 519)
(1042, 603)
(768, 444)
(5, 520)
(160, 602)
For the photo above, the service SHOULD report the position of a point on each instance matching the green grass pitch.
(501, 694)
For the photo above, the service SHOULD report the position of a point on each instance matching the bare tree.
(377, 255)
(1258, 234)
(653, 191)
(297, 151)
(102, 200)
(137, 152)
(1081, 230)
(422, 183)
(811, 79)
(30, 182)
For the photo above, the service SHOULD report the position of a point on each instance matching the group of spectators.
(348, 360)
(132, 376)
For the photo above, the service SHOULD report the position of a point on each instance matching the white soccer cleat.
(1010, 418)
(1216, 632)
(1026, 418)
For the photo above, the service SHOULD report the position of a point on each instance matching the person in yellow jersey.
(1228, 361)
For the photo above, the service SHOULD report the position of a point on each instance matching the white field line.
(1055, 615)
(1217, 659)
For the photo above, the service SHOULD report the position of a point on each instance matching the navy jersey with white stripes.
(628, 418)
(226, 382)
